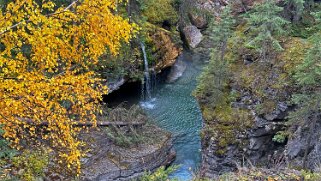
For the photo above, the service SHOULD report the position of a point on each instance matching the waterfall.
(147, 84)
(146, 88)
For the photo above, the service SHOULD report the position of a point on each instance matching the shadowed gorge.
(160, 90)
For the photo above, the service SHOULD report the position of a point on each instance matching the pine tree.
(308, 77)
(266, 25)
(213, 80)
(221, 30)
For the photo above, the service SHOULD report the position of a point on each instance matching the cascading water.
(148, 101)
(177, 111)
(147, 83)
(173, 108)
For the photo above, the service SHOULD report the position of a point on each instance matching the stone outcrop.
(192, 35)
(165, 50)
(260, 149)
(112, 86)
(304, 140)
(193, 28)
(255, 145)
(177, 70)
(107, 161)
(198, 20)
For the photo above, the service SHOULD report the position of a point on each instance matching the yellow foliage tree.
(45, 57)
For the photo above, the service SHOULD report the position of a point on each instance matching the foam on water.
(149, 104)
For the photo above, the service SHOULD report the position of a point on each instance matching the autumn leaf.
(45, 71)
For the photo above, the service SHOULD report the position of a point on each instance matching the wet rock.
(193, 36)
(176, 71)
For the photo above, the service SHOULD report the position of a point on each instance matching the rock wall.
(254, 146)
(257, 144)
(107, 161)
(165, 50)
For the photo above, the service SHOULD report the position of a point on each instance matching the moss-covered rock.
(163, 46)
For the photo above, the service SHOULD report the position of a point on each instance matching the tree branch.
(51, 14)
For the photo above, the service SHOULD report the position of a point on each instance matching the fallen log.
(90, 124)
(118, 123)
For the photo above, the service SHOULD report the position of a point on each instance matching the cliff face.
(109, 161)
(165, 50)
(254, 129)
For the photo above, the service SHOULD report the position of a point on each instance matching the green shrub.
(160, 174)
(6, 154)
(5, 151)
(311, 176)
(280, 137)
(158, 11)
(31, 164)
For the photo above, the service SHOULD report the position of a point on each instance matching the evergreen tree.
(213, 80)
(266, 25)
(308, 77)
(221, 30)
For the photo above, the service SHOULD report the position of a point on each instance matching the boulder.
(166, 51)
(177, 70)
(193, 36)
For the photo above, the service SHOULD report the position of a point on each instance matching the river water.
(173, 108)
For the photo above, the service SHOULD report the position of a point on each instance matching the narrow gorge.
(159, 90)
